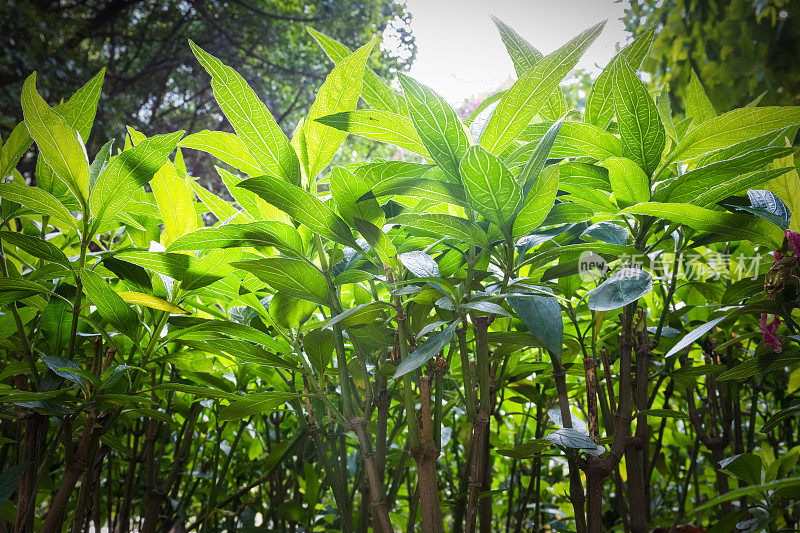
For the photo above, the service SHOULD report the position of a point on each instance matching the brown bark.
(426, 458)
(476, 467)
(603, 466)
(379, 509)
(58, 506)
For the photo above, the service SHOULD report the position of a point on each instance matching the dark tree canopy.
(739, 48)
(153, 83)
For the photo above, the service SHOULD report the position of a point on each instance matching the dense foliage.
(739, 49)
(572, 320)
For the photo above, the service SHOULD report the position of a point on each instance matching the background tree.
(152, 81)
(739, 48)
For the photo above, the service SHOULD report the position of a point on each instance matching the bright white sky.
(459, 52)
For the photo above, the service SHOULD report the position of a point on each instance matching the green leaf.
(665, 413)
(437, 224)
(640, 128)
(438, 125)
(255, 207)
(624, 287)
(787, 188)
(542, 317)
(374, 91)
(339, 93)
(664, 106)
(378, 125)
(59, 144)
(698, 106)
(628, 181)
(79, 111)
(744, 466)
(525, 56)
(689, 185)
(607, 232)
(14, 148)
(426, 351)
(290, 312)
(776, 418)
(291, 276)
(175, 200)
(720, 191)
(378, 242)
(109, 304)
(530, 173)
(254, 404)
(734, 127)
(420, 264)
(318, 345)
(279, 235)
(219, 207)
(349, 192)
(127, 172)
(13, 289)
(301, 206)
(567, 213)
(9, 480)
(436, 191)
(600, 103)
(538, 202)
(146, 300)
(736, 227)
(573, 438)
(37, 247)
(491, 188)
(39, 201)
(225, 146)
(192, 272)
(792, 482)
(575, 139)
(359, 315)
(528, 94)
(250, 118)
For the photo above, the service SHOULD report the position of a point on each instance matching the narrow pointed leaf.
(227, 147)
(339, 93)
(640, 128)
(127, 172)
(292, 276)
(426, 351)
(599, 103)
(301, 206)
(491, 188)
(378, 125)
(529, 93)
(59, 144)
(251, 119)
(437, 124)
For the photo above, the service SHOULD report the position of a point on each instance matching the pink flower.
(793, 238)
(769, 330)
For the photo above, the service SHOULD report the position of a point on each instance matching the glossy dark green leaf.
(542, 317)
(426, 351)
(254, 404)
(624, 287)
